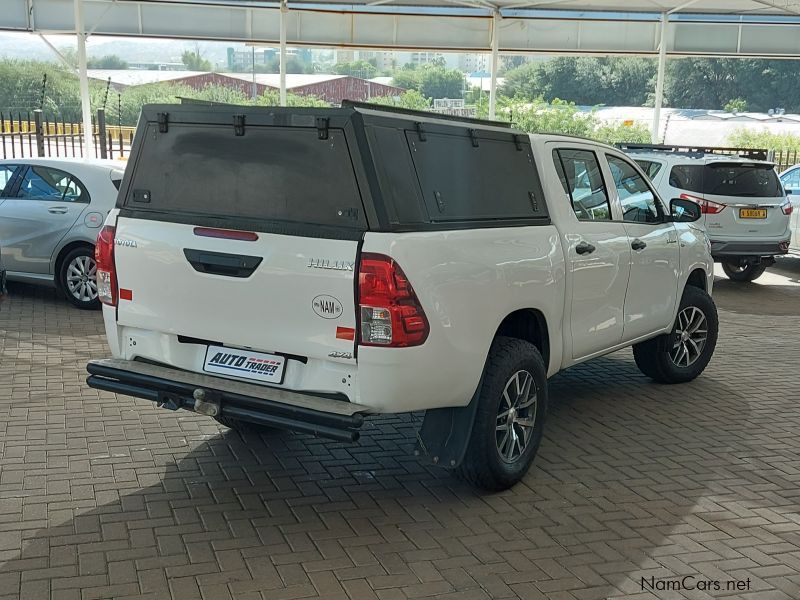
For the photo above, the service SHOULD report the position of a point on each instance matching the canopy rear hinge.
(322, 128)
(163, 122)
(518, 142)
(421, 132)
(473, 136)
(238, 124)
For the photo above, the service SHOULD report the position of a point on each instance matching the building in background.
(331, 88)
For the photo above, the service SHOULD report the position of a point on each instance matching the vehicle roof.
(688, 159)
(65, 163)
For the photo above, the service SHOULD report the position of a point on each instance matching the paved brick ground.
(109, 497)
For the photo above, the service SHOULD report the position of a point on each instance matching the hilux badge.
(333, 265)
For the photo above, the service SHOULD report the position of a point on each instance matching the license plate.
(258, 366)
(753, 213)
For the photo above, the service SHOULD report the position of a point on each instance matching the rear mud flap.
(442, 440)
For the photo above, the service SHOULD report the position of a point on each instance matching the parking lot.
(104, 496)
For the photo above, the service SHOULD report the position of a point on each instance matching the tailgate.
(753, 195)
(241, 233)
(279, 293)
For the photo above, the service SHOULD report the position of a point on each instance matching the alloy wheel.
(516, 416)
(691, 332)
(82, 278)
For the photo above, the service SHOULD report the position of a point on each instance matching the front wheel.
(747, 272)
(683, 354)
(77, 278)
(509, 421)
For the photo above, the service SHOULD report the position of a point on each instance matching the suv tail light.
(389, 312)
(106, 271)
(787, 208)
(707, 207)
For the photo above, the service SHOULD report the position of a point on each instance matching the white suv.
(745, 210)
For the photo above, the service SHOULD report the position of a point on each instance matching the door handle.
(58, 210)
(638, 245)
(584, 248)
(221, 263)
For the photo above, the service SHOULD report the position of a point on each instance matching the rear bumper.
(215, 396)
(721, 250)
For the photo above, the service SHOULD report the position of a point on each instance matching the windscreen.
(741, 180)
(270, 173)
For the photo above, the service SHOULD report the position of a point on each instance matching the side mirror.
(790, 191)
(684, 211)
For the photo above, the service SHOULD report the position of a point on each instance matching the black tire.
(79, 287)
(244, 427)
(749, 272)
(656, 358)
(483, 466)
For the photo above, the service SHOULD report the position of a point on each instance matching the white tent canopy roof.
(765, 28)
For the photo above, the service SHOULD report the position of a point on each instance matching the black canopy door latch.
(238, 124)
(322, 128)
(163, 122)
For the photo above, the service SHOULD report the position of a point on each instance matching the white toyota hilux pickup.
(306, 268)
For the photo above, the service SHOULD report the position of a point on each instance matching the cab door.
(597, 251)
(652, 294)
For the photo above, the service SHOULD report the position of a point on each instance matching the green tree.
(586, 81)
(110, 61)
(194, 61)
(436, 81)
(359, 68)
(737, 105)
(272, 98)
(406, 78)
(761, 138)
(411, 99)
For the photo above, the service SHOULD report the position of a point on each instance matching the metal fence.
(34, 134)
(784, 159)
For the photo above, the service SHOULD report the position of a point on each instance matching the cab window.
(639, 203)
(579, 172)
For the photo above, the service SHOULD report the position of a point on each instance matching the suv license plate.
(753, 213)
(258, 366)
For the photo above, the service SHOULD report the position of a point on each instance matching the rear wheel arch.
(530, 325)
(62, 253)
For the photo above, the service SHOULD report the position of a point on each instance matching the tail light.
(106, 271)
(787, 208)
(390, 313)
(707, 207)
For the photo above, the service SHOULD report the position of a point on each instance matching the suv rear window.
(740, 180)
(272, 173)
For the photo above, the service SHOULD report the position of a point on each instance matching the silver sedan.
(50, 212)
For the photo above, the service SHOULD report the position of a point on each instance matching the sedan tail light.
(787, 208)
(707, 207)
(106, 269)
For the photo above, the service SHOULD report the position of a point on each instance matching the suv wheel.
(747, 272)
(683, 354)
(77, 278)
(509, 421)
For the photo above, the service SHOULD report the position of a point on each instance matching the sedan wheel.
(78, 278)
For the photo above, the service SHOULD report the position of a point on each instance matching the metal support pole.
(284, 15)
(662, 68)
(254, 90)
(37, 119)
(101, 132)
(86, 110)
(494, 66)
